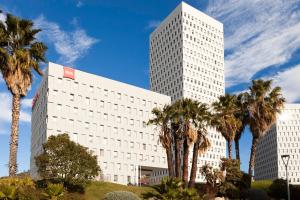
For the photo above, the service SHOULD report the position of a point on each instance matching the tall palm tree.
(202, 142)
(242, 114)
(20, 55)
(187, 112)
(225, 119)
(162, 119)
(264, 104)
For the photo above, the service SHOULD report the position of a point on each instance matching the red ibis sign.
(69, 73)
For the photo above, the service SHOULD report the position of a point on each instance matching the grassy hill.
(97, 190)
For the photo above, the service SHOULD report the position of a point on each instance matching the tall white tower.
(187, 61)
(283, 138)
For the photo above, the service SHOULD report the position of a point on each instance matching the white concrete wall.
(107, 116)
(283, 138)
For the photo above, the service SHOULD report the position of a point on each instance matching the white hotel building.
(108, 117)
(187, 61)
(282, 138)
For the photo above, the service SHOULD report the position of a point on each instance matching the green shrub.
(278, 189)
(121, 195)
(18, 188)
(53, 191)
(171, 189)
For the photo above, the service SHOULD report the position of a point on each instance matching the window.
(115, 106)
(54, 118)
(115, 178)
(75, 137)
(90, 138)
(71, 97)
(101, 152)
(132, 145)
(118, 95)
(55, 92)
(105, 92)
(119, 119)
(101, 104)
(87, 101)
(115, 130)
(59, 106)
(115, 154)
(144, 146)
(105, 116)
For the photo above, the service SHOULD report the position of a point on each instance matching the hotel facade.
(106, 116)
(109, 117)
(283, 138)
(187, 61)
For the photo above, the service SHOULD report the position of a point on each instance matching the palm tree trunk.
(177, 158)
(237, 149)
(229, 143)
(252, 157)
(194, 164)
(185, 176)
(14, 135)
(170, 162)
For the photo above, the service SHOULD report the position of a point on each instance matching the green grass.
(97, 190)
(261, 185)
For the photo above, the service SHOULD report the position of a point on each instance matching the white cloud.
(152, 24)
(258, 33)
(70, 45)
(79, 4)
(289, 81)
(5, 107)
(27, 103)
(2, 17)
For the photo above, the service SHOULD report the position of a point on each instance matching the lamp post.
(285, 159)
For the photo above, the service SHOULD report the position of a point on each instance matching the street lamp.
(285, 159)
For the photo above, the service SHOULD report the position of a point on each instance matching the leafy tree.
(171, 189)
(20, 55)
(264, 103)
(65, 161)
(225, 120)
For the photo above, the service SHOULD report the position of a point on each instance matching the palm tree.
(20, 54)
(264, 104)
(225, 119)
(202, 142)
(242, 114)
(162, 119)
(187, 111)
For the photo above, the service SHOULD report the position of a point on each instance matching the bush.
(257, 194)
(18, 188)
(171, 189)
(53, 191)
(121, 195)
(278, 189)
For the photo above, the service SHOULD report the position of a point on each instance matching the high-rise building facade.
(106, 116)
(187, 61)
(283, 138)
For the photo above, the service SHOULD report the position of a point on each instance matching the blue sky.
(111, 38)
